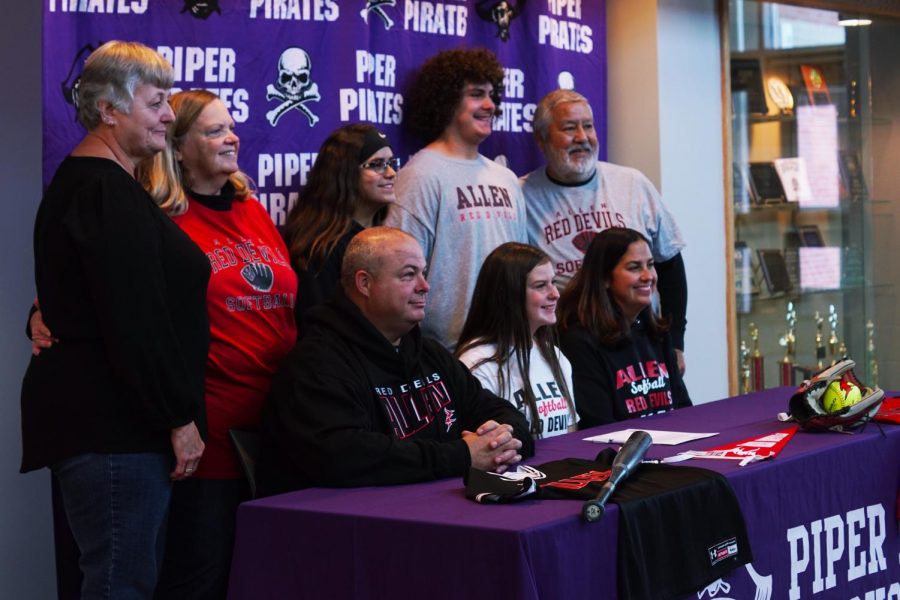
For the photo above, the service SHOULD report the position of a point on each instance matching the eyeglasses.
(380, 165)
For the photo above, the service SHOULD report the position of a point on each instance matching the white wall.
(665, 118)
(26, 557)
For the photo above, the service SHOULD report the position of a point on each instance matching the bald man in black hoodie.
(364, 399)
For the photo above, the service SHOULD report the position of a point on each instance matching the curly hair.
(436, 89)
(324, 212)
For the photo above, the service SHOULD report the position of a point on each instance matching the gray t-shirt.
(459, 210)
(563, 219)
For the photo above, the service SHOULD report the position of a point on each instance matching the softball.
(840, 394)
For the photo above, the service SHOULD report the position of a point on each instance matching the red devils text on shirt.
(644, 386)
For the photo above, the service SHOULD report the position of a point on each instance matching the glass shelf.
(792, 118)
(842, 84)
(753, 210)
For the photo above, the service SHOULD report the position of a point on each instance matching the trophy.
(788, 340)
(870, 349)
(837, 349)
(820, 342)
(745, 369)
(757, 366)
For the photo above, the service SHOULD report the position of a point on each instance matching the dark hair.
(324, 211)
(498, 316)
(436, 89)
(587, 301)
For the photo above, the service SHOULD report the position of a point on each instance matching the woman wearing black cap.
(348, 189)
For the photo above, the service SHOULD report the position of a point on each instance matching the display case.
(810, 116)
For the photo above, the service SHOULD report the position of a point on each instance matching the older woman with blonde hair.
(113, 406)
(250, 301)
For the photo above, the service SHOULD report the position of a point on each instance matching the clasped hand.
(493, 447)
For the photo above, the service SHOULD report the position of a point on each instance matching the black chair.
(247, 445)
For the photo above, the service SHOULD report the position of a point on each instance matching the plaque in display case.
(816, 88)
(746, 76)
(852, 175)
(810, 235)
(766, 183)
(791, 256)
(780, 94)
(774, 271)
(794, 180)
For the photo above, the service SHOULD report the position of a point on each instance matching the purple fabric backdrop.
(356, 68)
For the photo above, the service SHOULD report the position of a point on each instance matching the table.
(822, 520)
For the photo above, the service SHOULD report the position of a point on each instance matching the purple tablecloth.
(822, 520)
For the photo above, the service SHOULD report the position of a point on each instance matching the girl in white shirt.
(509, 338)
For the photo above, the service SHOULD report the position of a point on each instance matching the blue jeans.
(117, 506)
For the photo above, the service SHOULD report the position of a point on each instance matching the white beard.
(574, 169)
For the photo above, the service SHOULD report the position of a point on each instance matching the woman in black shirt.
(115, 406)
(623, 362)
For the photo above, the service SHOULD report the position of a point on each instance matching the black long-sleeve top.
(124, 291)
(671, 281)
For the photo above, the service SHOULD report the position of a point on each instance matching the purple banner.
(291, 71)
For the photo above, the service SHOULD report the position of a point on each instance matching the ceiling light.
(845, 20)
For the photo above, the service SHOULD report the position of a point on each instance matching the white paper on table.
(664, 438)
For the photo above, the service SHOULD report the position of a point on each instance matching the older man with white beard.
(575, 196)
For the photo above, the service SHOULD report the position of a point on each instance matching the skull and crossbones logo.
(375, 6)
(293, 88)
(500, 13)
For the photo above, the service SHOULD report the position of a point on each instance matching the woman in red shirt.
(250, 301)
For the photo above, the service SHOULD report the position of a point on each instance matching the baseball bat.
(626, 461)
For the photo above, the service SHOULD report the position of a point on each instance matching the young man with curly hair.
(457, 203)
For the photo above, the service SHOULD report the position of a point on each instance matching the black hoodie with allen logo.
(348, 408)
(636, 378)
